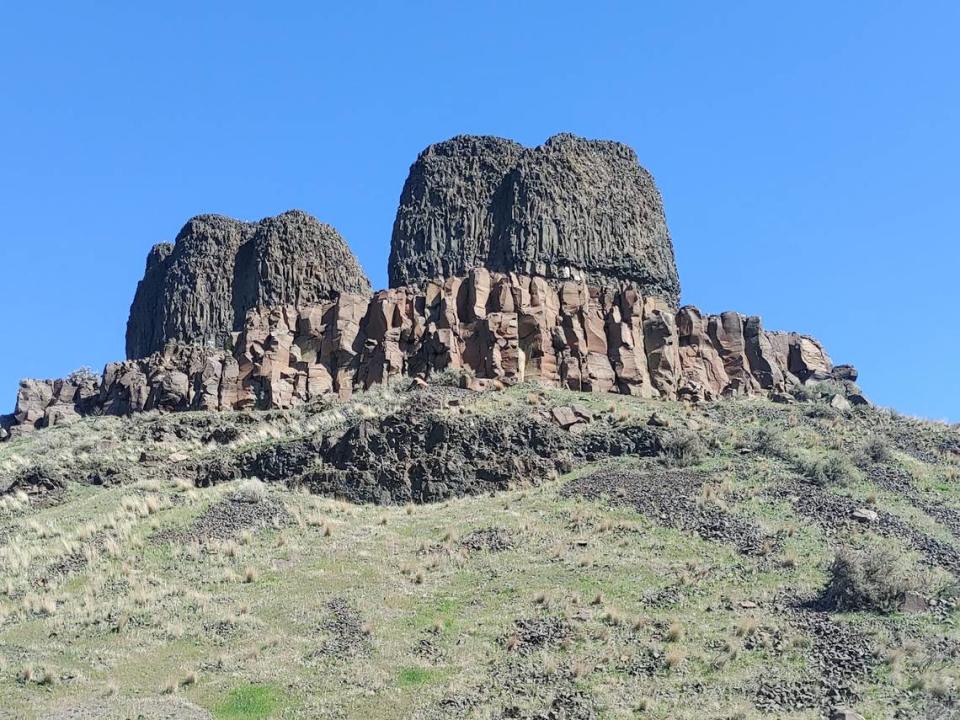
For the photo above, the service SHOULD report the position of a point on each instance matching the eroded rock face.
(570, 209)
(199, 289)
(499, 328)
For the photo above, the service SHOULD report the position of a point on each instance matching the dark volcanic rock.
(673, 498)
(413, 455)
(571, 208)
(199, 289)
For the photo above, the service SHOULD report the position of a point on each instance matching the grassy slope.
(374, 612)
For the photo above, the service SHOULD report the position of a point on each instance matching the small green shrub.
(451, 377)
(252, 490)
(876, 450)
(821, 411)
(828, 470)
(682, 448)
(874, 579)
(767, 441)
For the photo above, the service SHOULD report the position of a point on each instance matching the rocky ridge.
(495, 329)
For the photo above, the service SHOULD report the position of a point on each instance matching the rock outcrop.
(550, 265)
(498, 329)
(199, 289)
(570, 209)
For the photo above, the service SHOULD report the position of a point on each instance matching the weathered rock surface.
(199, 289)
(500, 329)
(569, 209)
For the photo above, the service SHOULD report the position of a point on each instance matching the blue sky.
(808, 153)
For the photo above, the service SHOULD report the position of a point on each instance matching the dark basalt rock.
(199, 289)
(412, 455)
(570, 208)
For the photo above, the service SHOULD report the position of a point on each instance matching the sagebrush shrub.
(874, 579)
(251, 490)
(767, 441)
(682, 447)
(828, 470)
(876, 450)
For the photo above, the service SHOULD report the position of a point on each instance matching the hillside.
(529, 553)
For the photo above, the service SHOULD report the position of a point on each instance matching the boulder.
(727, 335)
(60, 414)
(914, 602)
(660, 341)
(841, 713)
(808, 360)
(844, 373)
(6, 422)
(839, 402)
(565, 416)
(570, 209)
(33, 397)
(762, 356)
(865, 515)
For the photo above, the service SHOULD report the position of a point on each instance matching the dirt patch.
(673, 498)
(227, 519)
(491, 539)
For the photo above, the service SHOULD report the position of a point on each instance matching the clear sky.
(808, 153)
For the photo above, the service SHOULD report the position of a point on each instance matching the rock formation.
(199, 289)
(570, 209)
(499, 329)
(550, 265)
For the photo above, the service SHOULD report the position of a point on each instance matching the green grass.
(249, 702)
(434, 620)
(415, 676)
